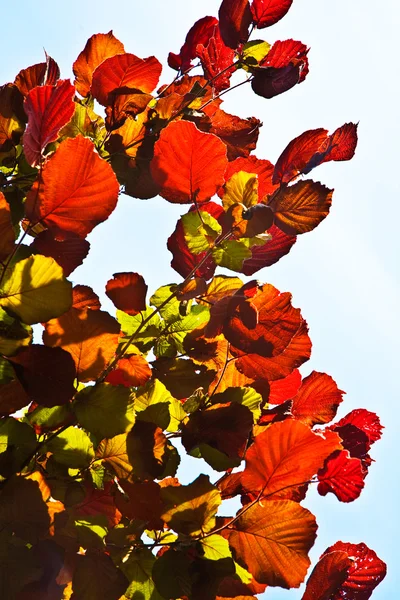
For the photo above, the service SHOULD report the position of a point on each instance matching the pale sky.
(345, 274)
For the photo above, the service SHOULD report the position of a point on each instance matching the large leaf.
(327, 576)
(90, 336)
(49, 108)
(77, 190)
(126, 72)
(273, 539)
(105, 410)
(98, 47)
(188, 164)
(285, 457)
(317, 400)
(36, 290)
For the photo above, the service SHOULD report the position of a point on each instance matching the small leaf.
(127, 291)
(14, 335)
(234, 22)
(7, 235)
(231, 254)
(200, 231)
(268, 12)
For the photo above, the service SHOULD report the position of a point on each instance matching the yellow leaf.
(36, 290)
(241, 188)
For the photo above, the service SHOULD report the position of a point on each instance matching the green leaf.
(138, 570)
(49, 418)
(200, 230)
(7, 373)
(241, 395)
(97, 473)
(92, 529)
(72, 448)
(171, 338)
(105, 410)
(17, 443)
(13, 334)
(170, 312)
(154, 403)
(36, 290)
(165, 572)
(215, 547)
(231, 254)
(145, 338)
(217, 460)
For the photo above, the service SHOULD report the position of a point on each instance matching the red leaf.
(317, 400)
(188, 164)
(234, 22)
(365, 572)
(127, 291)
(84, 297)
(77, 189)
(327, 576)
(354, 440)
(270, 252)
(98, 47)
(69, 252)
(268, 12)
(215, 58)
(342, 475)
(143, 502)
(200, 33)
(49, 108)
(365, 420)
(131, 371)
(284, 389)
(183, 261)
(46, 374)
(100, 502)
(46, 73)
(312, 148)
(125, 71)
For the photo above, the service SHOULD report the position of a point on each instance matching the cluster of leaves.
(90, 506)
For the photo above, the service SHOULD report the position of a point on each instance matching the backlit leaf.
(268, 254)
(69, 253)
(254, 166)
(188, 164)
(138, 570)
(49, 108)
(45, 73)
(77, 190)
(273, 539)
(217, 60)
(132, 370)
(191, 509)
(72, 448)
(327, 576)
(98, 47)
(14, 335)
(285, 456)
(11, 124)
(342, 475)
(365, 420)
(7, 235)
(90, 336)
(234, 21)
(105, 410)
(284, 389)
(200, 231)
(317, 400)
(126, 72)
(301, 207)
(241, 188)
(239, 135)
(268, 12)
(127, 291)
(199, 33)
(231, 254)
(365, 572)
(35, 290)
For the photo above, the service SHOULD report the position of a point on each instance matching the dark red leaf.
(84, 297)
(270, 82)
(199, 34)
(364, 574)
(268, 12)
(270, 252)
(183, 261)
(69, 252)
(354, 439)
(128, 292)
(327, 576)
(46, 374)
(365, 420)
(342, 475)
(49, 108)
(234, 22)
(215, 58)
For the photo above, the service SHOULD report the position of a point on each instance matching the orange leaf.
(46, 73)
(90, 336)
(327, 576)
(7, 235)
(188, 164)
(262, 168)
(99, 47)
(273, 539)
(132, 370)
(49, 108)
(99, 502)
(77, 191)
(127, 291)
(317, 400)
(284, 457)
(84, 297)
(301, 207)
(284, 389)
(124, 72)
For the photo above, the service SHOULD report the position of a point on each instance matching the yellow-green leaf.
(241, 188)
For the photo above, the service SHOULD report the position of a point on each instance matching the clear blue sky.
(344, 275)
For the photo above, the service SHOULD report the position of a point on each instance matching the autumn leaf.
(127, 291)
(49, 108)
(342, 475)
(268, 12)
(69, 253)
(40, 74)
(77, 189)
(327, 576)
(317, 400)
(234, 22)
(7, 235)
(188, 164)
